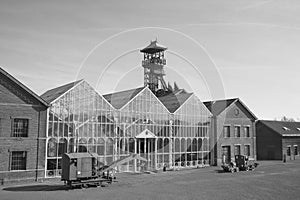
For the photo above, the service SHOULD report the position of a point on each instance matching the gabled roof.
(219, 106)
(13, 79)
(119, 99)
(283, 128)
(173, 101)
(54, 93)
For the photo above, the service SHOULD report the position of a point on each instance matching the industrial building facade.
(22, 131)
(167, 126)
(234, 130)
(174, 134)
(278, 140)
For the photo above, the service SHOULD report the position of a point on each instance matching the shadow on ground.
(30, 188)
(220, 171)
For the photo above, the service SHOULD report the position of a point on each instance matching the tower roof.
(153, 47)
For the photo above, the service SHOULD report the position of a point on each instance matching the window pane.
(18, 160)
(20, 128)
(226, 131)
(237, 131)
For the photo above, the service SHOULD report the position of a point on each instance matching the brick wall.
(269, 143)
(290, 141)
(236, 115)
(18, 103)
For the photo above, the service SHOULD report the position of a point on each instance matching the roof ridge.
(73, 82)
(123, 91)
(24, 87)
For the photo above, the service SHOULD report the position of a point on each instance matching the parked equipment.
(230, 167)
(241, 163)
(244, 163)
(84, 169)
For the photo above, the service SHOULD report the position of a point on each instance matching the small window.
(20, 128)
(286, 128)
(295, 150)
(237, 150)
(247, 131)
(247, 150)
(237, 131)
(288, 151)
(226, 131)
(18, 160)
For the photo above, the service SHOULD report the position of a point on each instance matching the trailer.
(85, 169)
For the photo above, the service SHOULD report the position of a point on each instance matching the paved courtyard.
(271, 180)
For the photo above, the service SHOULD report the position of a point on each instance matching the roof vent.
(286, 128)
(298, 129)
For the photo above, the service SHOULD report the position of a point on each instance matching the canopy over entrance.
(146, 134)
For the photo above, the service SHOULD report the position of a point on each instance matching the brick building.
(233, 128)
(22, 131)
(276, 139)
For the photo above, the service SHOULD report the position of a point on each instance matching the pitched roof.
(282, 127)
(173, 101)
(119, 99)
(217, 107)
(153, 47)
(13, 79)
(54, 93)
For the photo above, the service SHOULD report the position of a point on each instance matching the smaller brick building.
(277, 139)
(22, 131)
(234, 130)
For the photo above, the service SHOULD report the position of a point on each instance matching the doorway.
(226, 154)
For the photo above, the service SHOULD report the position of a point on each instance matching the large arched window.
(71, 145)
(189, 145)
(131, 145)
(109, 147)
(183, 145)
(101, 146)
(82, 145)
(199, 148)
(177, 145)
(52, 147)
(194, 145)
(62, 146)
(160, 145)
(92, 145)
(166, 145)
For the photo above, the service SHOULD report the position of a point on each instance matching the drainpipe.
(37, 147)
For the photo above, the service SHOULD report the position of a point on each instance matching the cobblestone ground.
(271, 180)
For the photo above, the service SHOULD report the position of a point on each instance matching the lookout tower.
(153, 64)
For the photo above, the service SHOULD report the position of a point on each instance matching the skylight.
(286, 128)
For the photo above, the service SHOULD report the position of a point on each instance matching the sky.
(217, 49)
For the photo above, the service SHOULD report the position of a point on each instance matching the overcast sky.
(217, 49)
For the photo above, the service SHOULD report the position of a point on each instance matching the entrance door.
(146, 149)
(226, 155)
